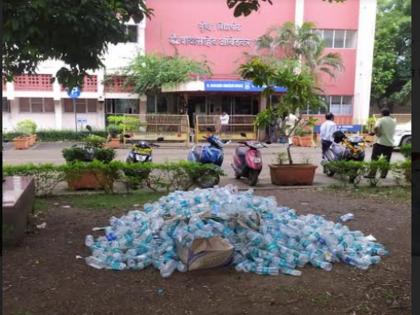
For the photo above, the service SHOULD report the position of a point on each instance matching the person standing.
(328, 127)
(384, 144)
(224, 122)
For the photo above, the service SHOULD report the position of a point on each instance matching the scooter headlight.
(141, 158)
(257, 160)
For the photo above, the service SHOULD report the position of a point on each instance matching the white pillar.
(10, 91)
(364, 60)
(299, 10)
(58, 111)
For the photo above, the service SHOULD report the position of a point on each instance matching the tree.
(148, 73)
(74, 31)
(246, 7)
(300, 43)
(302, 90)
(391, 78)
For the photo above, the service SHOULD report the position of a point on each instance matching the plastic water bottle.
(94, 262)
(346, 217)
(167, 269)
(89, 241)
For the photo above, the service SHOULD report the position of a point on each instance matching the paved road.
(51, 153)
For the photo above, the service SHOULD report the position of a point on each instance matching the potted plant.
(114, 139)
(301, 92)
(304, 133)
(91, 149)
(369, 129)
(27, 130)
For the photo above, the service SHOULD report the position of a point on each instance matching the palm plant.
(300, 43)
(301, 87)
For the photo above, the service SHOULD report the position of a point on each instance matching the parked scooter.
(211, 153)
(247, 160)
(141, 152)
(343, 148)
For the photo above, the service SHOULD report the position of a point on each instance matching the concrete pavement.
(50, 152)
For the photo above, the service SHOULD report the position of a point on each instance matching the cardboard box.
(206, 253)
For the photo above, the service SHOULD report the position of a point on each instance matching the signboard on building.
(236, 86)
(343, 128)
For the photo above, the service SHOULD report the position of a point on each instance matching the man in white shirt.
(224, 121)
(327, 129)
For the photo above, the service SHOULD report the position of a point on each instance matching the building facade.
(48, 104)
(206, 30)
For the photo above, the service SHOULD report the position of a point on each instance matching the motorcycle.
(211, 153)
(247, 161)
(343, 148)
(141, 152)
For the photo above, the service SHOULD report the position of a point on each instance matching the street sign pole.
(74, 93)
(75, 114)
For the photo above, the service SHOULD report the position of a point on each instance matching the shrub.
(352, 171)
(84, 153)
(402, 171)
(46, 176)
(406, 151)
(114, 130)
(26, 127)
(57, 135)
(94, 141)
(167, 176)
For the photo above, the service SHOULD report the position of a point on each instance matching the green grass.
(109, 201)
(40, 205)
(400, 193)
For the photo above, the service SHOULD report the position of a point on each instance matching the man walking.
(224, 121)
(328, 127)
(384, 144)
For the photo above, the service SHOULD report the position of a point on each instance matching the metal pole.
(75, 114)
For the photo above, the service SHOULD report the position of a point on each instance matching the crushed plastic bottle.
(347, 217)
(268, 239)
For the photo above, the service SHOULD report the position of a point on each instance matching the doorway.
(196, 105)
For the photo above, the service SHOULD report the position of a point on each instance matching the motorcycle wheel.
(253, 177)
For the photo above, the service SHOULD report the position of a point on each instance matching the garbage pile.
(225, 226)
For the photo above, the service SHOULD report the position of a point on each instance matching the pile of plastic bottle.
(268, 239)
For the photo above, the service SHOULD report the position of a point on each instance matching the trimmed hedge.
(58, 135)
(166, 176)
(353, 171)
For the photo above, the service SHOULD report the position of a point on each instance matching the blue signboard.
(343, 128)
(74, 92)
(236, 86)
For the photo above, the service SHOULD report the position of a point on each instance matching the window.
(83, 105)
(6, 105)
(350, 39)
(328, 37)
(132, 33)
(36, 105)
(338, 38)
(338, 105)
(341, 105)
(122, 106)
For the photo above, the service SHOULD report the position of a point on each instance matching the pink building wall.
(183, 17)
(343, 83)
(332, 15)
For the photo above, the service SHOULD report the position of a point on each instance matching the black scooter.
(141, 152)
